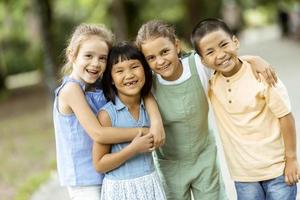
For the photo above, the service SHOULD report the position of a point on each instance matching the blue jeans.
(273, 189)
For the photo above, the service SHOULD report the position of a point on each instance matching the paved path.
(284, 55)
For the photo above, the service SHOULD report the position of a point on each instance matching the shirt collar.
(120, 105)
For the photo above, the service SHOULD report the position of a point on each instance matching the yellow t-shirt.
(247, 113)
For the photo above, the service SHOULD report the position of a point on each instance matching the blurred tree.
(44, 13)
(119, 19)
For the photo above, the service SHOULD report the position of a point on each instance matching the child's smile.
(219, 51)
(128, 77)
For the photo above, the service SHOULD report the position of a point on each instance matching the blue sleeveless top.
(139, 165)
(73, 144)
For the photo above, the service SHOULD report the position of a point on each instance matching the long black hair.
(118, 53)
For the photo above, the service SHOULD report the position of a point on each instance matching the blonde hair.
(81, 33)
(154, 29)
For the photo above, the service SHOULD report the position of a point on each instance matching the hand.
(142, 143)
(260, 66)
(269, 75)
(291, 171)
(145, 131)
(159, 135)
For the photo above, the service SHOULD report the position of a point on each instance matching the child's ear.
(71, 56)
(178, 46)
(236, 41)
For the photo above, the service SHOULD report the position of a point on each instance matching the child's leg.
(85, 192)
(208, 183)
(277, 189)
(175, 181)
(249, 191)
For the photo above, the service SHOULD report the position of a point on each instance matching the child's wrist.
(291, 156)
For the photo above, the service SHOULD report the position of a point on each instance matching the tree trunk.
(44, 12)
(119, 19)
(200, 9)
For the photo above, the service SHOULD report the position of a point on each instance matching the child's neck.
(132, 103)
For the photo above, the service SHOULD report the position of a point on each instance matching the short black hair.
(118, 53)
(207, 26)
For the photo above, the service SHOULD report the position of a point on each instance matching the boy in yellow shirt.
(255, 122)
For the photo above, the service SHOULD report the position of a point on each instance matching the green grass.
(31, 185)
(27, 144)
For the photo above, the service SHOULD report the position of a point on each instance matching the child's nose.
(96, 62)
(129, 74)
(221, 54)
(160, 60)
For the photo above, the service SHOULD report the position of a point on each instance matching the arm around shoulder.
(103, 159)
(74, 98)
(157, 128)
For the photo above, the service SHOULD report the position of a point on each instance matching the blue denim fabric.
(73, 144)
(139, 165)
(273, 189)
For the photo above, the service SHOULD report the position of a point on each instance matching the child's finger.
(256, 75)
(271, 77)
(156, 142)
(151, 149)
(286, 179)
(140, 133)
(292, 179)
(273, 73)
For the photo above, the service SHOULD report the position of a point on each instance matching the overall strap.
(192, 63)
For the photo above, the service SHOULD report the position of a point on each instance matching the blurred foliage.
(20, 41)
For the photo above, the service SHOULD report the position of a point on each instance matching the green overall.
(188, 159)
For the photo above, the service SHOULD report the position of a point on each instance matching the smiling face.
(219, 51)
(90, 62)
(129, 78)
(162, 56)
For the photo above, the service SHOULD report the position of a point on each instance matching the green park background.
(33, 36)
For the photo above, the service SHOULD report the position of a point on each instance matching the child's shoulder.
(70, 89)
(68, 85)
(109, 107)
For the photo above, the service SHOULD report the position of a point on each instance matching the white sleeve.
(204, 73)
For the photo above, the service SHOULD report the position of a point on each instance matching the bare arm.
(292, 170)
(157, 128)
(261, 66)
(72, 96)
(105, 161)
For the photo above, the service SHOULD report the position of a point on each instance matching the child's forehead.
(158, 39)
(125, 62)
(215, 35)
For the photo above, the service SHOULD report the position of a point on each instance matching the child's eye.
(209, 53)
(224, 44)
(135, 66)
(150, 58)
(119, 71)
(103, 58)
(165, 51)
(87, 55)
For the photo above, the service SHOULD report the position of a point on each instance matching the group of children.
(106, 133)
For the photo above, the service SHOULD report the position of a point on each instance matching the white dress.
(147, 187)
